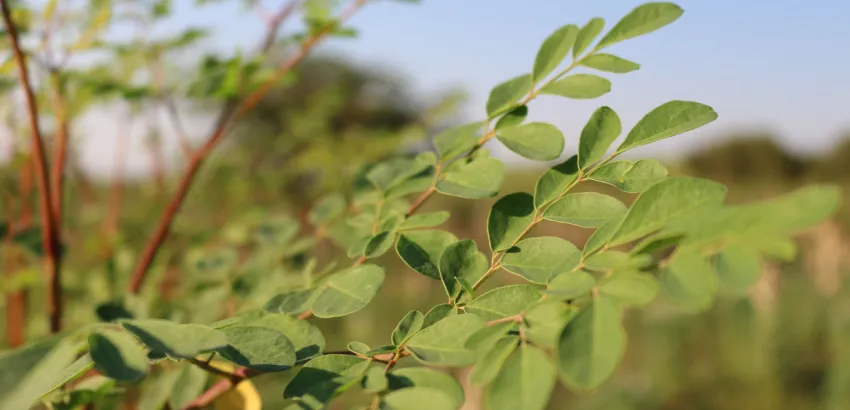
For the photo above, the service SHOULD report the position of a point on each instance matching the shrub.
(677, 238)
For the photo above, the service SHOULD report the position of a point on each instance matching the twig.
(60, 149)
(48, 231)
(222, 386)
(199, 156)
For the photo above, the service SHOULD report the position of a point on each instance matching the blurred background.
(774, 71)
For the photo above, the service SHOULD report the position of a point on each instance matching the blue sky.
(777, 65)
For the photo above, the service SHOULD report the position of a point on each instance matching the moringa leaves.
(444, 343)
(644, 19)
(183, 341)
(508, 219)
(630, 176)
(539, 141)
(609, 63)
(506, 94)
(421, 250)
(587, 34)
(538, 259)
(585, 209)
(346, 292)
(553, 51)
(668, 120)
(591, 345)
(579, 86)
(598, 134)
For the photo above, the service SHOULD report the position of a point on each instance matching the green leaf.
(512, 118)
(690, 281)
(508, 219)
(630, 176)
(375, 380)
(417, 398)
(457, 140)
(324, 377)
(487, 368)
(553, 51)
(644, 19)
(326, 209)
(56, 368)
(610, 63)
(438, 313)
(423, 377)
(481, 177)
(407, 327)
(602, 236)
(598, 134)
(585, 209)
(630, 288)
(555, 181)
(305, 337)
(579, 86)
(443, 343)
(538, 259)
(485, 338)
(393, 172)
(545, 320)
(117, 355)
(379, 244)
(505, 95)
(183, 341)
(346, 292)
(539, 141)
(525, 381)
(570, 285)
(359, 348)
(461, 263)
(421, 250)
(503, 301)
(738, 268)
(610, 260)
(157, 390)
(668, 120)
(587, 34)
(16, 363)
(292, 302)
(258, 348)
(591, 345)
(426, 220)
(666, 201)
(187, 386)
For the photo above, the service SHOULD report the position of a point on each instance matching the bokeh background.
(775, 72)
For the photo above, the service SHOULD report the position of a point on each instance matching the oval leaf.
(555, 182)
(508, 218)
(630, 176)
(553, 51)
(539, 141)
(579, 86)
(643, 19)
(591, 345)
(117, 355)
(610, 63)
(258, 348)
(504, 301)
(587, 34)
(346, 292)
(506, 94)
(444, 343)
(184, 341)
(421, 250)
(538, 259)
(668, 120)
(585, 209)
(525, 381)
(597, 135)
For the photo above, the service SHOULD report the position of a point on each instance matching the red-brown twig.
(48, 228)
(200, 155)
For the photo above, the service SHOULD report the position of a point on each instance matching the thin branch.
(212, 369)
(199, 156)
(219, 388)
(48, 232)
(60, 149)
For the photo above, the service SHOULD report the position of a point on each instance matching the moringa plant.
(251, 302)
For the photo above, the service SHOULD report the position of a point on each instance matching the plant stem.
(60, 148)
(163, 226)
(49, 236)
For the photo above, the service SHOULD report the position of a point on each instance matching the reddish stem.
(49, 235)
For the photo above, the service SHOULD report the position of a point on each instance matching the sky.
(778, 66)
